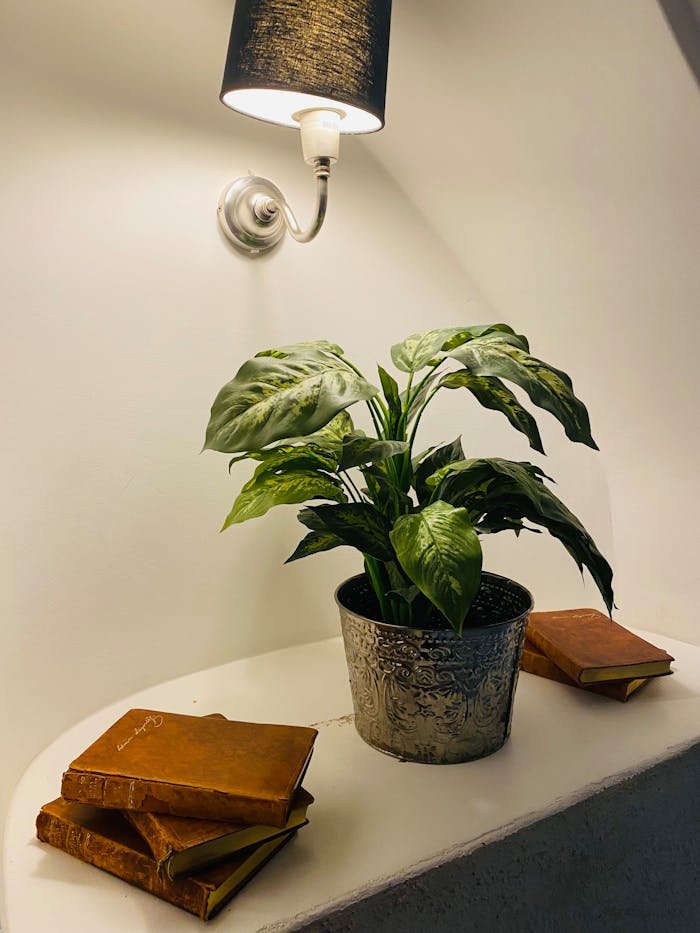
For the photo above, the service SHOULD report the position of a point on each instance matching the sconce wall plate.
(240, 220)
(310, 64)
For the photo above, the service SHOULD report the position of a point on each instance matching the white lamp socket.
(320, 134)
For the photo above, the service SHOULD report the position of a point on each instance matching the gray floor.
(624, 861)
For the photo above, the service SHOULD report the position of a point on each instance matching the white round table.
(376, 820)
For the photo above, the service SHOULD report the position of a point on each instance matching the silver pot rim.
(411, 628)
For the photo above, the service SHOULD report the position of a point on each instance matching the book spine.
(554, 653)
(122, 793)
(147, 825)
(535, 663)
(133, 867)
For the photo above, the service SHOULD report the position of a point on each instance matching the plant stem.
(344, 479)
(410, 397)
(374, 409)
(360, 497)
(375, 577)
(418, 417)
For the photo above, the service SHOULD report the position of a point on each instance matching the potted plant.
(433, 642)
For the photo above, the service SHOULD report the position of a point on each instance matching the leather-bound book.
(535, 662)
(105, 839)
(205, 767)
(180, 844)
(591, 649)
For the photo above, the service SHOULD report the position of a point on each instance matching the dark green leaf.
(439, 550)
(420, 397)
(497, 522)
(406, 594)
(357, 524)
(359, 449)
(438, 458)
(390, 388)
(274, 398)
(419, 457)
(385, 494)
(237, 460)
(493, 394)
(496, 490)
(547, 387)
(261, 493)
(314, 543)
(310, 520)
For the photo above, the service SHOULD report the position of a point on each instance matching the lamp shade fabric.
(286, 56)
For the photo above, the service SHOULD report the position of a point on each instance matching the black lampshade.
(285, 56)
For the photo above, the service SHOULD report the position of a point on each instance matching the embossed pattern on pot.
(431, 695)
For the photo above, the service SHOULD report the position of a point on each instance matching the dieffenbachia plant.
(417, 520)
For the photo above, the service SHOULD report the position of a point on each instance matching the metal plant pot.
(431, 695)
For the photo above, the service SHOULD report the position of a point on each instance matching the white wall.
(558, 154)
(124, 311)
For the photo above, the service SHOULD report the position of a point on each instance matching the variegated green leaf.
(303, 349)
(474, 331)
(314, 543)
(357, 524)
(548, 388)
(493, 394)
(261, 493)
(330, 436)
(439, 550)
(271, 399)
(496, 491)
(359, 449)
(419, 350)
(287, 457)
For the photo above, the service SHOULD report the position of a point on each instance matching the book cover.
(535, 662)
(591, 648)
(103, 838)
(205, 767)
(180, 844)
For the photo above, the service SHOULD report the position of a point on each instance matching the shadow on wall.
(683, 16)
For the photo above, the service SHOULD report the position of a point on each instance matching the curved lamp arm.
(267, 209)
(254, 214)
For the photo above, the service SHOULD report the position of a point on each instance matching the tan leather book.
(105, 839)
(180, 844)
(590, 648)
(535, 662)
(199, 766)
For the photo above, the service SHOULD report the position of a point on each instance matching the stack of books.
(187, 808)
(584, 648)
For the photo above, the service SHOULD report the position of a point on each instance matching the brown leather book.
(199, 766)
(590, 648)
(182, 845)
(105, 839)
(535, 662)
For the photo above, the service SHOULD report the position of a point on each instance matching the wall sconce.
(316, 65)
